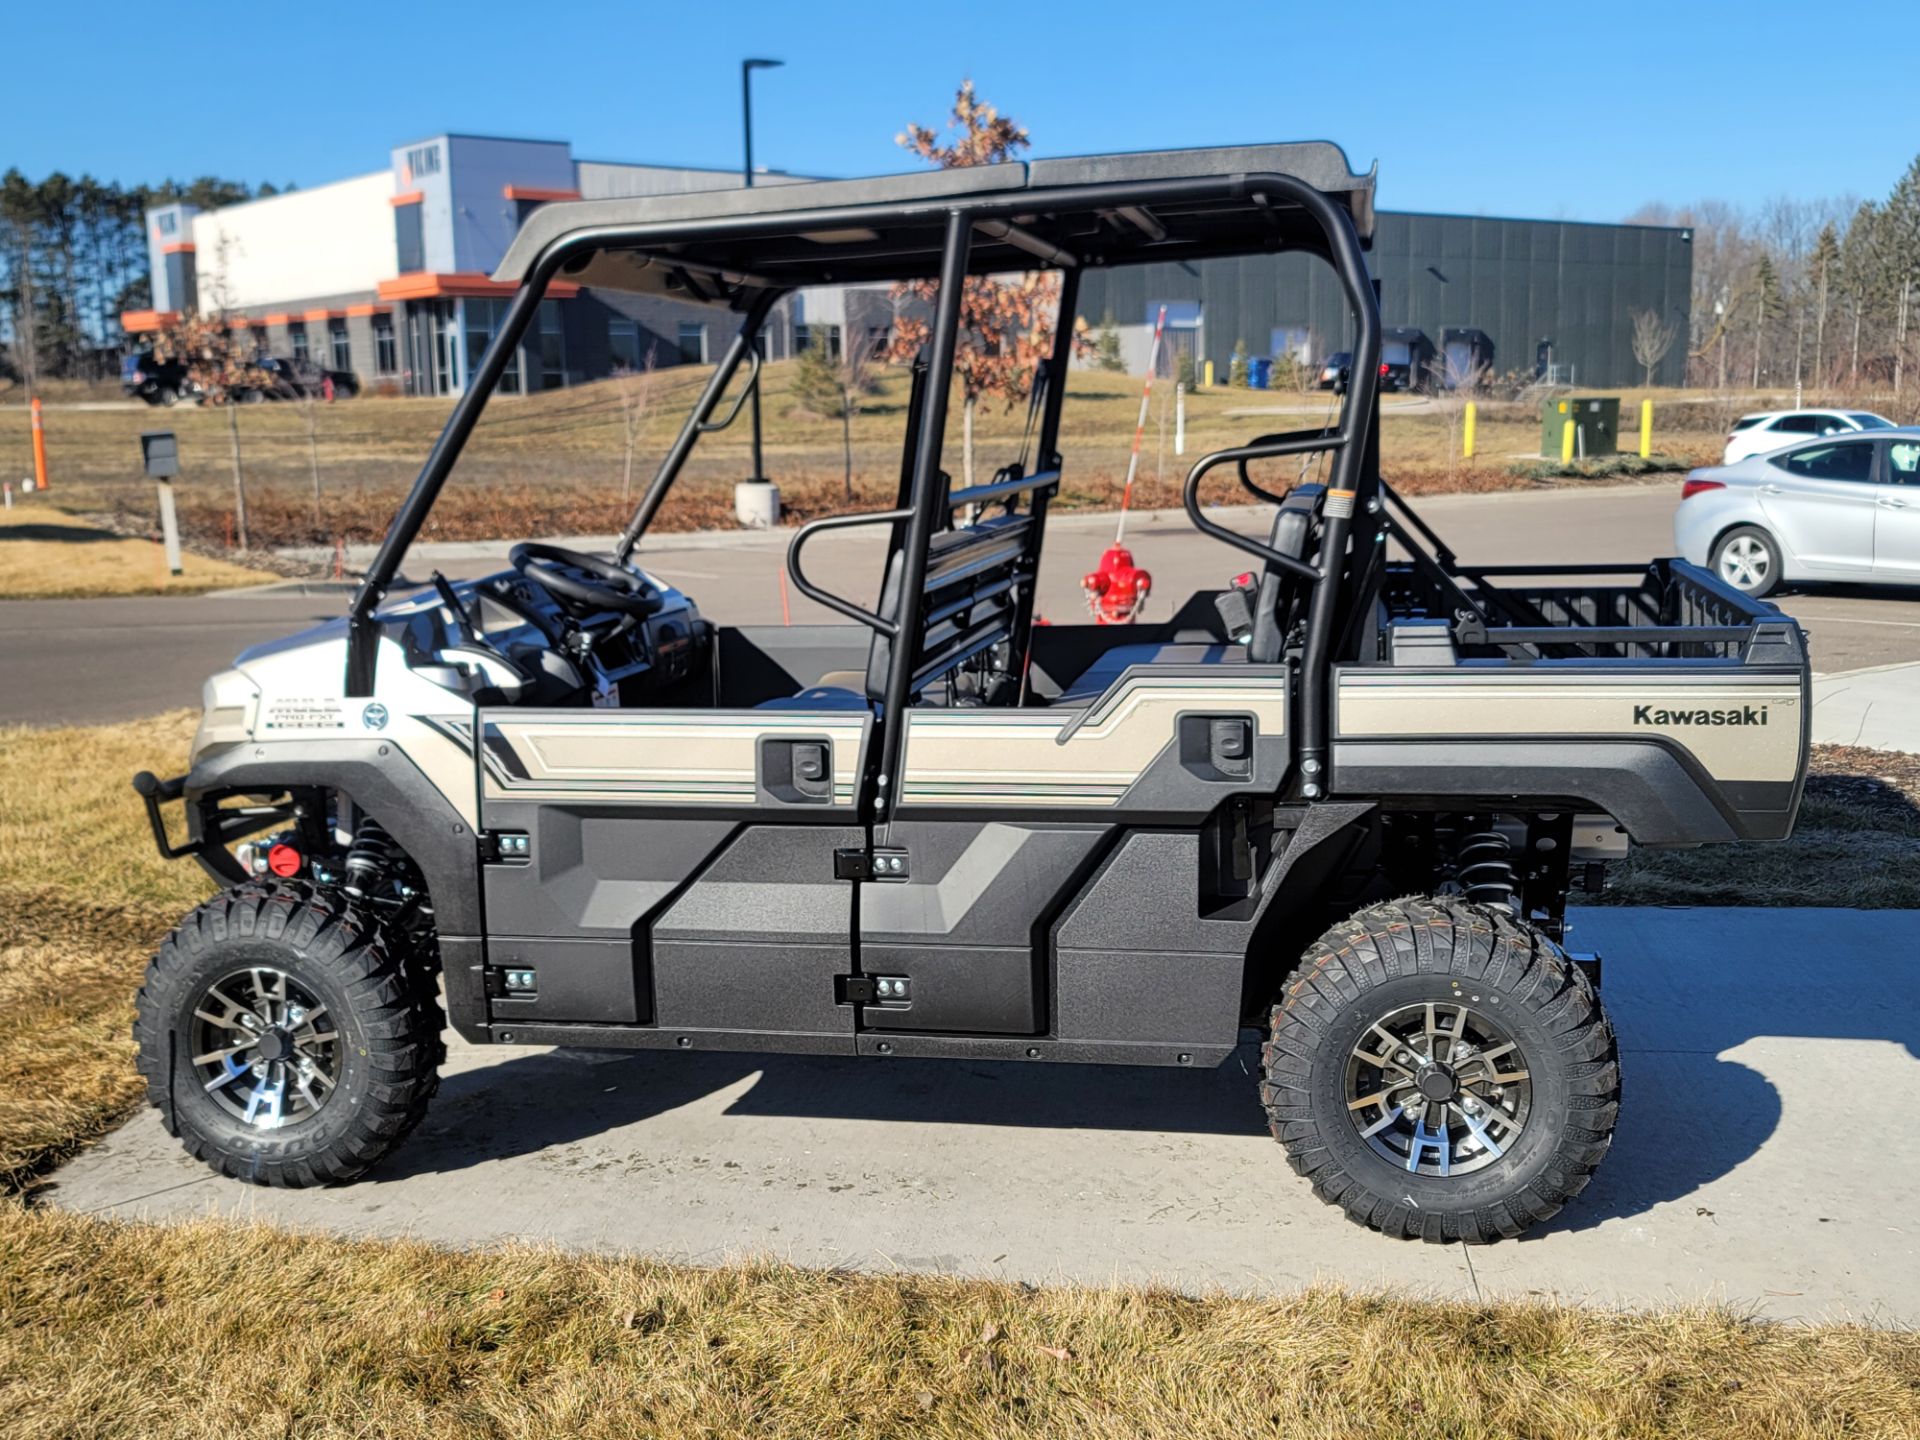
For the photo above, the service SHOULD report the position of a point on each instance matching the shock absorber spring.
(1485, 870)
(370, 858)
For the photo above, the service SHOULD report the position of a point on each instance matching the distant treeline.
(73, 256)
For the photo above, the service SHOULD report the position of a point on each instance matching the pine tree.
(1237, 375)
(1106, 347)
(816, 383)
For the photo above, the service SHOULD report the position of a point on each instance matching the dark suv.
(156, 381)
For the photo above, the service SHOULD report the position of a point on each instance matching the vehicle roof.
(1812, 410)
(716, 244)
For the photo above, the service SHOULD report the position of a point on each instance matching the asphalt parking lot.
(91, 661)
(1765, 1154)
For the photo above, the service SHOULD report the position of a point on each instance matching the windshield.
(1869, 422)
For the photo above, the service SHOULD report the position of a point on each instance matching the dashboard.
(507, 640)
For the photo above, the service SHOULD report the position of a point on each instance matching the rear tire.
(336, 1033)
(1546, 1119)
(1747, 558)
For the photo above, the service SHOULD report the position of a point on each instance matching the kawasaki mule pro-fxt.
(1338, 801)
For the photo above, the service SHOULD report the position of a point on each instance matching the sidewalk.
(1878, 707)
(1743, 1169)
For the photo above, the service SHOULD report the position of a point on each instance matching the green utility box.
(1596, 425)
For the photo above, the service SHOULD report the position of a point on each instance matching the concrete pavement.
(1765, 1154)
(79, 661)
(1878, 707)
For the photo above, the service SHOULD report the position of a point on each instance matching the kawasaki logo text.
(1745, 715)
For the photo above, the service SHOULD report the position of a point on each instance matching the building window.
(484, 319)
(623, 342)
(337, 342)
(553, 347)
(409, 238)
(297, 334)
(423, 160)
(167, 224)
(386, 351)
(693, 342)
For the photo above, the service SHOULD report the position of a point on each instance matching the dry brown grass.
(110, 1329)
(1856, 843)
(126, 1330)
(48, 554)
(550, 464)
(84, 898)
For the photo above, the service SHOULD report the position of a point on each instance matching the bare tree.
(834, 389)
(1652, 338)
(634, 391)
(1457, 379)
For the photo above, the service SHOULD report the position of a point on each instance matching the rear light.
(1699, 487)
(1384, 367)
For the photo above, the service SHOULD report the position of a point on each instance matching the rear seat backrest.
(1273, 603)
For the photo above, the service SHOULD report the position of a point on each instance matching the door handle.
(1769, 489)
(797, 772)
(1889, 502)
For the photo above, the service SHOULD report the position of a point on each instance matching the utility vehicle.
(1340, 802)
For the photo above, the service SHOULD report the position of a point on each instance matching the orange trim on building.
(281, 319)
(412, 197)
(244, 322)
(324, 315)
(528, 192)
(360, 311)
(142, 322)
(179, 247)
(431, 285)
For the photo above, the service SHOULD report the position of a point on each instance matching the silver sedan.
(1830, 509)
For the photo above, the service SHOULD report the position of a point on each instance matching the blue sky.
(1512, 109)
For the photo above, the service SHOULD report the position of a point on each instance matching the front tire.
(1441, 1070)
(1747, 558)
(285, 1038)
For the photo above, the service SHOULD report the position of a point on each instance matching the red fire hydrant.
(1117, 588)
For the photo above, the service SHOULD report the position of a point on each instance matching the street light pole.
(747, 67)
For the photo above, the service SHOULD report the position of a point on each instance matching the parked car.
(1777, 429)
(1841, 507)
(156, 381)
(297, 379)
(1333, 371)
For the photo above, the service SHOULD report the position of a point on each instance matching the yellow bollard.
(1566, 443)
(1646, 429)
(1466, 439)
(1208, 382)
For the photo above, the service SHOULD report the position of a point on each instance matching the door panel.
(670, 866)
(1821, 503)
(966, 929)
(1896, 520)
(754, 943)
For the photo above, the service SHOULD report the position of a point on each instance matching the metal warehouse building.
(388, 275)
(1545, 292)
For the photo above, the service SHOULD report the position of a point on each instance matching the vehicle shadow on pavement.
(1685, 987)
(536, 1102)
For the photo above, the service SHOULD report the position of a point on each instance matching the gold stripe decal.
(1072, 758)
(665, 757)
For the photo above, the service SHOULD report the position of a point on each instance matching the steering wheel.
(587, 581)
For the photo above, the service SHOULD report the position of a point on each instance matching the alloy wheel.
(1745, 562)
(264, 1048)
(1438, 1089)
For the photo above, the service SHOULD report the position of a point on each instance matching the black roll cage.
(1353, 479)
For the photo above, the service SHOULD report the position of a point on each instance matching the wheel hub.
(1438, 1089)
(264, 1047)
